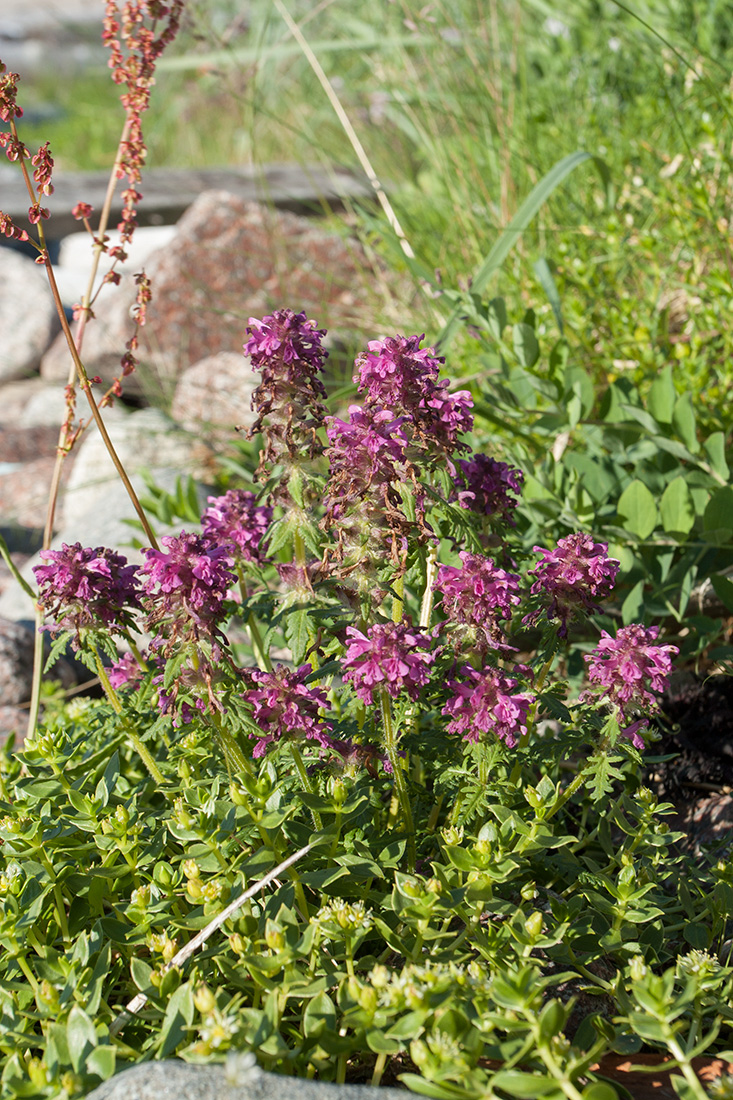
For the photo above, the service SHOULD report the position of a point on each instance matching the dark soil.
(697, 733)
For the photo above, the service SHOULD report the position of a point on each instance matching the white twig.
(201, 937)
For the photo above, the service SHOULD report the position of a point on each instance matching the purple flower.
(236, 520)
(125, 672)
(283, 706)
(389, 655)
(478, 595)
(632, 671)
(485, 485)
(366, 456)
(396, 371)
(483, 703)
(574, 575)
(287, 349)
(287, 339)
(188, 582)
(84, 588)
(397, 374)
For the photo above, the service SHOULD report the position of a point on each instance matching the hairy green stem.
(390, 746)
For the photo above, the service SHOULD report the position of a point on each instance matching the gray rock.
(28, 318)
(95, 506)
(214, 397)
(16, 663)
(13, 720)
(239, 1079)
(16, 396)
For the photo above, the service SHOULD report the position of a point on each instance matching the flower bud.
(274, 936)
(534, 925)
(637, 968)
(204, 1000)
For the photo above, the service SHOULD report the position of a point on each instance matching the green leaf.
(723, 589)
(524, 1085)
(526, 213)
(80, 1036)
(319, 1016)
(526, 348)
(102, 1061)
(683, 420)
(637, 509)
(714, 447)
(546, 281)
(662, 397)
(718, 515)
(423, 1087)
(633, 606)
(299, 633)
(178, 1014)
(677, 508)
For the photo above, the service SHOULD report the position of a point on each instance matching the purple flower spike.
(236, 521)
(478, 595)
(396, 371)
(483, 703)
(366, 456)
(397, 374)
(287, 349)
(284, 706)
(486, 486)
(633, 671)
(188, 581)
(285, 339)
(389, 655)
(574, 575)
(83, 588)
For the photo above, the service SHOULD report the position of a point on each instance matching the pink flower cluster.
(575, 575)
(237, 521)
(397, 374)
(187, 583)
(283, 706)
(633, 670)
(479, 595)
(287, 349)
(87, 589)
(365, 457)
(389, 655)
(486, 486)
(483, 702)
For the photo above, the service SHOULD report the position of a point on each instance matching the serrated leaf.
(677, 508)
(637, 509)
(299, 633)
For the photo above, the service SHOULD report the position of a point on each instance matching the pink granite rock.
(229, 260)
(213, 397)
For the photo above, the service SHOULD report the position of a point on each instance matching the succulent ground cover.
(364, 793)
